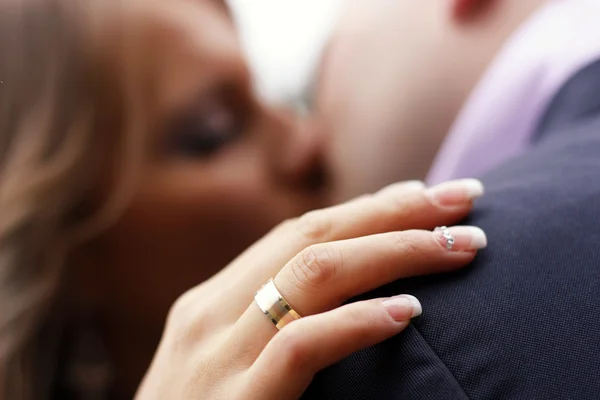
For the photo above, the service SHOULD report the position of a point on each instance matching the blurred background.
(284, 40)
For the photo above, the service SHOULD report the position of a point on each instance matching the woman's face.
(219, 172)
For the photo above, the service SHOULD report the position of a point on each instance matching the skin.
(395, 77)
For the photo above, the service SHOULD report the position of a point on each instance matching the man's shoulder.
(528, 308)
(522, 321)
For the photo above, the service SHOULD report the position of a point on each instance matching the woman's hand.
(218, 344)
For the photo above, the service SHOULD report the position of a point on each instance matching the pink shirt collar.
(502, 113)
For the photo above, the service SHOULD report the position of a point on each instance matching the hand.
(219, 345)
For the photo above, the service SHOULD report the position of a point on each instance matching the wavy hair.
(65, 111)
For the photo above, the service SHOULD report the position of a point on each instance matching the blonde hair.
(62, 110)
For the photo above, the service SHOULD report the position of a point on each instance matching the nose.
(295, 148)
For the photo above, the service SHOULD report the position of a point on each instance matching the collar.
(503, 112)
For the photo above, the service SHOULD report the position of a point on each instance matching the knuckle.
(403, 188)
(180, 309)
(287, 229)
(316, 265)
(398, 203)
(404, 244)
(404, 198)
(184, 317)
(314, 226)
(286, 226)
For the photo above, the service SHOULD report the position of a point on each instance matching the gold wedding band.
(274, 306)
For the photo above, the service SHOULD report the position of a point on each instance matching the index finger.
(398, 207)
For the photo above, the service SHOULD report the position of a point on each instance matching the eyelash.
(207, 129)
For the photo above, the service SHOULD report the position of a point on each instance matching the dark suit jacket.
(523, 321)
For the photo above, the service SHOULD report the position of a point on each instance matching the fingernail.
(455, 193)
(461, 238)
(403, 307)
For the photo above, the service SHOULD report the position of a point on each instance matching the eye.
(205, 129)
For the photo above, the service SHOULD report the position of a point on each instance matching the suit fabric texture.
(523, 320)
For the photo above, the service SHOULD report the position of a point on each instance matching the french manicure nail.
(455, 193)
(403, 307)
(461, 238)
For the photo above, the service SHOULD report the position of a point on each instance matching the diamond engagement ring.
(447, 235)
